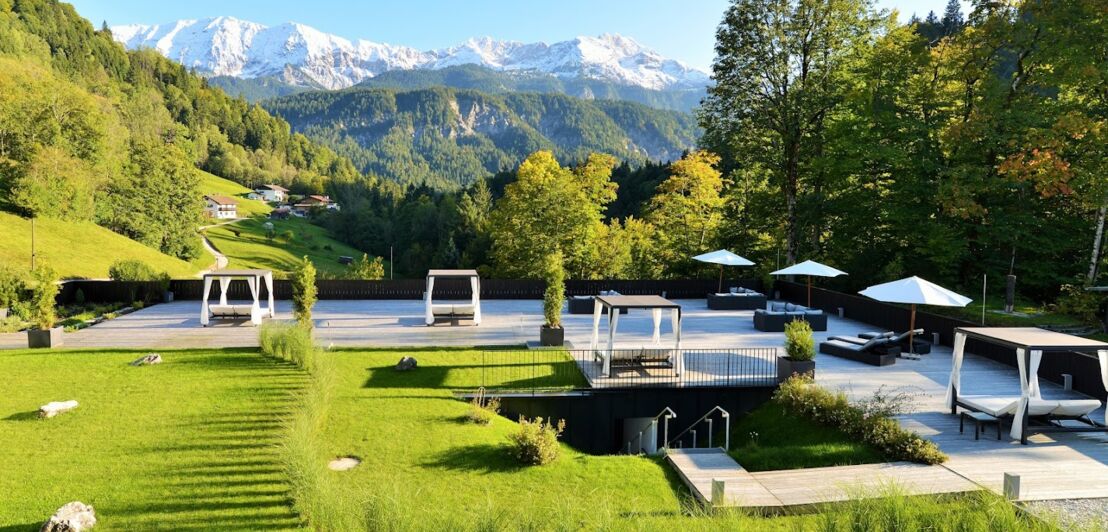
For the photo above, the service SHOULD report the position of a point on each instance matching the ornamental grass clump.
(288, 342)
(536, 441)
(800, 396)
(482, 409)
(799, 343)
(303, 292)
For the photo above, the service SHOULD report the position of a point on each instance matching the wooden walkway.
(774, 490)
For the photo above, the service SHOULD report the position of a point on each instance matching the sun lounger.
(922, 347)
(1042, 413)
(643, 357)
(875, 352)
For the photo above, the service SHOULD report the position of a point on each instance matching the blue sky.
(681, 29)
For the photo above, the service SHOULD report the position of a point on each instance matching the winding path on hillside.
(221, 260)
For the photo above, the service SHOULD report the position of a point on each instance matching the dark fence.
(535, 370)
(192, 289)
(1084, 367)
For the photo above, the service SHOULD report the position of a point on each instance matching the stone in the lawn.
(406, 363)
(73, 517)
(148, 360)
(345, 463)
(56, 407)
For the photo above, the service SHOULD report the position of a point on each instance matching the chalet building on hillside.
(270, 193)
(220, 208)
(314, 201)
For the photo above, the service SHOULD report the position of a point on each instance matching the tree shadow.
(481, 458)
(29, 527)
(22, 416)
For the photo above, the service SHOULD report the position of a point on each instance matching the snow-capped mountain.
(301, 55)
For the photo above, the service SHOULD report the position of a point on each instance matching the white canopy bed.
(453, 309)
(617, 303)
(1030, 343)
(253, 311)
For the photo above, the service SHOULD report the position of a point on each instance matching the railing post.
(710, 431)
(726, 430)
(694, 438)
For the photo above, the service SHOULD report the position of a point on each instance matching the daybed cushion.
(1075, 407)
(999, 406)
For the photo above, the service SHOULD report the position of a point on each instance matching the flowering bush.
(536, 442)
(799, 395)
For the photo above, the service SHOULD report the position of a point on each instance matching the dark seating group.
(585, 304)
(779, 314)
(737, 299)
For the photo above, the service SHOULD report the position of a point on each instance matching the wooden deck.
(805, 487)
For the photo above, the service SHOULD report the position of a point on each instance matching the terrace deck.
(1053, 466)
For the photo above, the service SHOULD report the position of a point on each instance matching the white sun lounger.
(1002, 406)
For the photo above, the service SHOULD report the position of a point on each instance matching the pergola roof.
(637, 302)
(452, 273)
(237, 273)
(1032, 338)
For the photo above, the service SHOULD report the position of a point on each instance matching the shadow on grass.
(29, 527)
(23, 416)
(559, 374)
(480, 458)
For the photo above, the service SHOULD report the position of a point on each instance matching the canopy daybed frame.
(1029, 406)
(617, 304)
(453, 310)
(254, 311)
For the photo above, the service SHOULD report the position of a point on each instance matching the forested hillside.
(444, 137)
(91, 132)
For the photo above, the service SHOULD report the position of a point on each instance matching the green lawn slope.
(212, 184)
(251, 249)
(79, 249)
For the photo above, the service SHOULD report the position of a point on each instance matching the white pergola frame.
(656, 304)
(253, 278)
(475, 297)
(1029, 343)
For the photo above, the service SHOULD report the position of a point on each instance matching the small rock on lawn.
(73, 517)
(406, 364)
(56, 407)
(345, 463)
(148, 360)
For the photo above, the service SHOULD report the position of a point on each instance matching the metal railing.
(666, 414)
(706, 418)
(648, 367)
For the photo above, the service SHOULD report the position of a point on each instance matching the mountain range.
(300, 55)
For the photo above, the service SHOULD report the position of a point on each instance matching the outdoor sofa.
(737, 299)
(780, 314)
(584, 304)
(922, 347)
(875, 352)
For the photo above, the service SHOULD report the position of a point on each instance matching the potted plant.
(800, 351)
(163, 284)
(43, 295)
(552, 333)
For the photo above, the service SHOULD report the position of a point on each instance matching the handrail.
(667, 413)
(727, 421)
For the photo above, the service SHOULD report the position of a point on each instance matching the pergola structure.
(253, 311)
(453, 310)
(1030, 343)
(615, 304)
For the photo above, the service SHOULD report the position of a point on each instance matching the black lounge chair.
(875, 352)
(922, 347)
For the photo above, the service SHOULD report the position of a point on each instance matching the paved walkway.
(1054, 466)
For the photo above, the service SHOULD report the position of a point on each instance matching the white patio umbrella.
(810, 268)
(915, 291)
(723, 258)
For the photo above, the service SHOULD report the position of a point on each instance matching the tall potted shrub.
(43, 295)
(800, 351)
(304, 292)
(554, 273)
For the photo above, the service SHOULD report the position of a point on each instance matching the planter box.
(786, 367)
(48, 338)
(551, 336)
(167, 297)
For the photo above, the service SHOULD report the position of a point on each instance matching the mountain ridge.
(301, 55)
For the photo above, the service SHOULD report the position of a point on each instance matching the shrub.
(367, 270)
(43, 295)
(799, 344)
(536, 441)
(11, 287)
(482, 409)
(79, 297)
(554, 274)
(1080, 303)
(288, 342)
(872, 424)
(136, 270)
(303, 292)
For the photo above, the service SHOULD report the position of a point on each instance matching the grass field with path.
(251, 249)
(212, 184)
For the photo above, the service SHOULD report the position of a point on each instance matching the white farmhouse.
(272, 193)
(220, 208)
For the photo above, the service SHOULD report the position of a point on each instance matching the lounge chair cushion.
(811, 312)
(999, 406)
(777, 307)
(1075, 407)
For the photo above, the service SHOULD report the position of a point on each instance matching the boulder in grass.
(73, 517)
(148, 360)
(406, 364)
(56, 407)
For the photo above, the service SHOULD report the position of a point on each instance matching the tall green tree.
(778, 73)
(687, 211)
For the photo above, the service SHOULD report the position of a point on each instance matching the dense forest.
(444, 137)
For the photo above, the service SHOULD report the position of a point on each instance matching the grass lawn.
(768, 438)
(188, 444)
(251, 249)
(78, 249)
(1035, 313)
(212, 184)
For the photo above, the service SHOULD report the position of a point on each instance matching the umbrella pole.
(720, 287)
(912, 332)
(809, 291)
